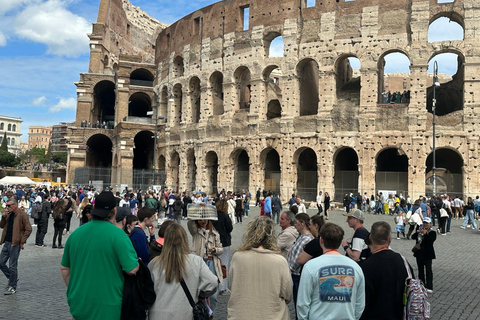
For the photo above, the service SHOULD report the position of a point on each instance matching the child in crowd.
(400, 224)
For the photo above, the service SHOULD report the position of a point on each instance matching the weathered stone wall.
(212, 40)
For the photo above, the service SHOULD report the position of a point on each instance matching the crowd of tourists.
(116, 251)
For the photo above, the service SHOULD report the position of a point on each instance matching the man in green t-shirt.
(93, 260)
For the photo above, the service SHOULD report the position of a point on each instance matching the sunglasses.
(9, 205)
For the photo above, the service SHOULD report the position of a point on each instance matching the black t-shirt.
(8, 236)
(358, 243)
(385, 275)
(313, 248)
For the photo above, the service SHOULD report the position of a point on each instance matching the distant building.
(58, 140)
(39, 136)
(23, 147)
(11, 126)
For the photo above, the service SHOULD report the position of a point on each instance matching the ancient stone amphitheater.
(205, 104)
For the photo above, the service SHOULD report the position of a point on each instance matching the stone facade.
(12, 127)
(233, 117)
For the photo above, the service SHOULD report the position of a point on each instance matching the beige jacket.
(285, 240)
(261, 286)
(201, 243)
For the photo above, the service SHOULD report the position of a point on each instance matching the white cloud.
(39, 101)
(64, 104)
(7, 5)
(3, 40)
(64, 32)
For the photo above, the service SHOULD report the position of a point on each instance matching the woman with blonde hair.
(85, 202)
(259, 276)
(167, 270)
(206, 244)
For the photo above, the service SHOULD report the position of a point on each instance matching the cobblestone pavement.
(41, 291)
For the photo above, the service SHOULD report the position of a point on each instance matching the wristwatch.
(345, 248)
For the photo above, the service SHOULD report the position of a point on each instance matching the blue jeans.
(246, 207)
(296, 284)
(12, 253)
(449, 221)
(468, 216)
(214, 297)
(276, 213)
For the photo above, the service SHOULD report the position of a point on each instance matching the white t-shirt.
(319, 200)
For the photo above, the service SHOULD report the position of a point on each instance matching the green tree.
(4, 146)
(60, 157)
(8, 159)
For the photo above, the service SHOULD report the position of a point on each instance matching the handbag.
(416, 248)
(224, 269)
(200, 310)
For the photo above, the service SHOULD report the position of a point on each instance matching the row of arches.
(391, 175)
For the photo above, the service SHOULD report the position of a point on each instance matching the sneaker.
(60, 247)
(444, 234)
(398, 238)
(34, 225)
(54, 246)
(9, 291)
(462, 227)
(429, 291)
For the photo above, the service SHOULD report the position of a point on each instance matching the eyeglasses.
(9, 205)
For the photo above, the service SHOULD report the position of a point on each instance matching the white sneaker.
(398, 238)
(462, 227)
(429, 291)
(34, 225)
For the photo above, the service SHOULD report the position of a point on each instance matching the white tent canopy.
(16, 180)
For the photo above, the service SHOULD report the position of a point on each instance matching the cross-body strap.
(407, 267)
(187, 293)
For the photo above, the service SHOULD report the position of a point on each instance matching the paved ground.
(41, 291)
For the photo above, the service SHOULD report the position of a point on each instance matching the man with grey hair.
(289, 233)
(16, 230)
(385, 273)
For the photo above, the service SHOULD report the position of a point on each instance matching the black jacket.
(224, 227)
(276, 204)
(426, 246)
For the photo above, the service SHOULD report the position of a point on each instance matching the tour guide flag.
(201, 212)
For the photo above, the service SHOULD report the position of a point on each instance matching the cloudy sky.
(44, 48)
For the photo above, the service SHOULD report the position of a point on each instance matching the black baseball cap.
(122, 213)
(104, 203)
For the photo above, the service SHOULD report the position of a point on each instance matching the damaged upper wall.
(122, 29)
(327, 20)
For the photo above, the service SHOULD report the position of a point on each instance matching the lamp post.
(434, 103)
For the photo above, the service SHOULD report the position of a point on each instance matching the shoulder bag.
(200, 311)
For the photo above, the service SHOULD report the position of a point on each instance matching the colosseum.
(204, 103)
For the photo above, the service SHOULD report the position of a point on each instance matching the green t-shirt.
(96, 254)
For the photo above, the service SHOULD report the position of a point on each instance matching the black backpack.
(36, 210)
(138, 294)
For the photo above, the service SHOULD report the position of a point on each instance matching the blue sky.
(44, 48)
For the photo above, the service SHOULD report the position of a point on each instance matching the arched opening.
(241, 162)
(449, 173)
(175, 171)
(141, 77)
(394, 78)
(211, 164)
(178, 67)
(449, 83)
(143, 151)
(392, 172)
(9, 127)
(177, 104)
(274, 109)
(272, 170)
(275, 47)
(348, 79)
(191, 170)
(307, 71)
(164, 102)
(161, 163)
(216, 83)
(104, 103)
(2, 126)
(307, 175)
(242, 83)
(272, 76)
(195, 98)
(12, 141)
(14, 127)
(139, 104)
(99, 152)
(346, 173)
(446, 28)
